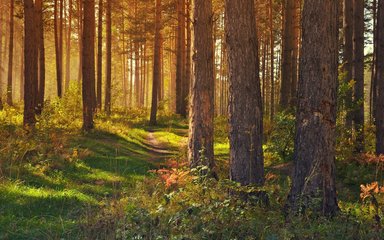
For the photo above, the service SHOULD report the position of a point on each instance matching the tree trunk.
(1, 57)
(41, 54)
(156, 63)
(314, 176)
(348, 56)
(80, 34)
(30, 68)
(57, 51)
(68, 54)
(10, 54)
(358, 73)
(180, 63)
(200, 148)
(99, 54)
(245, 106)
(88, 50)
(272, 56)
(380, 79)
(108, 81)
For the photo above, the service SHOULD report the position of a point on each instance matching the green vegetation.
(62, 183)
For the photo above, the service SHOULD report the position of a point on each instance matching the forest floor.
(125, 180)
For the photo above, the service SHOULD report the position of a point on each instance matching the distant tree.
(379, 118)
(88, 51)
(358, 72)
(314, 176)
(57, 49)
(181, 107)
(245, 107)
(10, 54)
(108, 82)
(99, 54)
(41, 54)
(30, 66)
(68, 47)
(290, 52)
(156, 62)
(201, 114)
(348, 54)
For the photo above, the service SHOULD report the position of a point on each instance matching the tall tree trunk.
(108, 81)
(358, 73)
(156, 63)
(68, 54)
(380, 79)
(272, 56)
(373, 87)
(1, 57)
(202, 110)
(348, 56)
(88, 50)
(99, 54)
(41, 54)
(180, 63)
(314, 176)
(31, 67)
(57, 51)
(245, 106)
(188, 50)
(10, 54)
(80, 34)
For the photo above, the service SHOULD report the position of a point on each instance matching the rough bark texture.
(314, 176)
(30, 68)
(200, 148)
(245, 107)
(10, 53)
(358, 73)
(99, 54)
(41, 54)
(289, 55)
(348, 54)
(156, 63)
(88, 50)
(108, 71)
(380, 80)
(181, 107)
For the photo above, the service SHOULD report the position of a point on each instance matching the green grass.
(50, 194)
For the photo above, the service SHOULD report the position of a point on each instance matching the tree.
(57, 50)
(108, 81)
(289, 54)
(314, 176)
(30, 66)
(379, 118)
(245, 107)
(358, 72)
(88, 70)
(10, 55)
(156, 62)
(68, 54)
(41, 54)
(348, 54)
(201, 114)
(99, 54)
(181, 107)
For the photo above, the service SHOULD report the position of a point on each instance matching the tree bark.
(57, 51)
(201, 114)
(88, 72)
(10, 53)
(380, 80)
(348, 56)
(245, 107)
(180, 63)
(156, 63)
(41, 54)
(108, 81)
(358, 73)
(30, 68)
(68, 54)
(314, 176)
